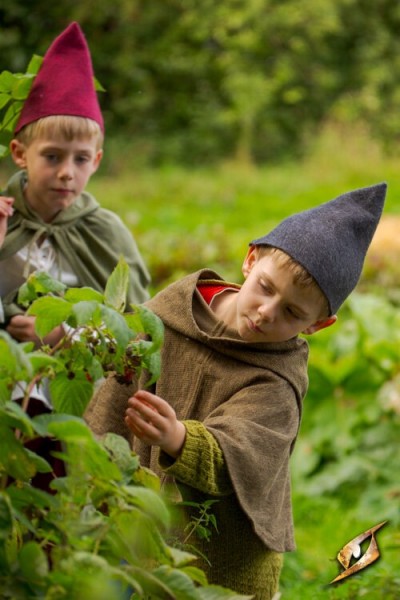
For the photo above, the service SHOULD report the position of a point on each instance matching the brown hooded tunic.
(239, 398)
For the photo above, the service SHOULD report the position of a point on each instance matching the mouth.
(253, 326)
(62, 191)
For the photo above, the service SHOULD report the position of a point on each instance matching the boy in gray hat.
(224, 416)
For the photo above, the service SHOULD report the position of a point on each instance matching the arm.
(189, 451)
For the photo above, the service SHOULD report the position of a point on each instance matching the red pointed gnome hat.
(64, 84)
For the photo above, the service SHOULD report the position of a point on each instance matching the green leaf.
(14, 458)
(95, 460)
(37, 284)
(34, 64)
(22, 87)
(121, 453)
(75, 295)
(117, 286)
(85, 311)
(6, 517)
(15, 417)
(4, 99)
(12, 353)
(152, 363)
(151, 503)
(152, 325)
(33, 563)
(177, 582)
(43, 362)
(50, 312)
(7, 80)
(25, 496)
(215, 592)
(117, 326)
(70, 395)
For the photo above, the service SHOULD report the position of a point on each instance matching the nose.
(268, 311)
(65, 171)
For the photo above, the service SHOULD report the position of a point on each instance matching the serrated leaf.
(70, 396)
(50, 312)
(117, 286)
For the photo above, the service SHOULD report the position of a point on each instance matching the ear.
(97, 160)
(322, 324)
(250, 260)
(18, 153)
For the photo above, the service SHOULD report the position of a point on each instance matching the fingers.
(6, 208)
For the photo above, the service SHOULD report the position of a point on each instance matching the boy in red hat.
(47, 220)
(223, 417)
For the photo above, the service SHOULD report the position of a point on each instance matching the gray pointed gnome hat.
(331, 240)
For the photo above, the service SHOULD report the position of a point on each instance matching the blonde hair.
(69, 127)
(301, 276)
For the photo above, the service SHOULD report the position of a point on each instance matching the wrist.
(174, 447)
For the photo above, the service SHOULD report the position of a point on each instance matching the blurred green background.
(221, 119)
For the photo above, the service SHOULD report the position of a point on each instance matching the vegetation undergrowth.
(99, 531)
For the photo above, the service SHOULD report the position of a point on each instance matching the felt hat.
(331, 240)
(64, 84)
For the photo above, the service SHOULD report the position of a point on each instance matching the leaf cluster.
(14, 89)
(348, 445)
(100, 531)
(100, 338)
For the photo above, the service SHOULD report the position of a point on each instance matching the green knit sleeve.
(201, 464)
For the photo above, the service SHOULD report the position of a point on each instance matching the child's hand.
(6, 210)
(22, 328)
(154, 422)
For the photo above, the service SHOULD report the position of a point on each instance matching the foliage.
(346, 463)
(195, 82)
(14, 89)
(100, 531)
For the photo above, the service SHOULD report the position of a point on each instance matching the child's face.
(269, 307)
(58, 171)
